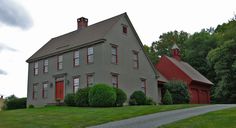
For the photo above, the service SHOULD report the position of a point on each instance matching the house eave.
(66, 50)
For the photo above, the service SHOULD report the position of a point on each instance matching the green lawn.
(73, 117)
(218, 119)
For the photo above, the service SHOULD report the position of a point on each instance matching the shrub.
(167, 98)
(178, 91)
(149, 101)
(82, 97)
(15, 103)
(31, 106)
(70, 99)
(139, 97)
(102, 95)
(121, 97)
(132, 102)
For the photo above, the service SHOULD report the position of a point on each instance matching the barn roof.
(190, 71)
(91, 34)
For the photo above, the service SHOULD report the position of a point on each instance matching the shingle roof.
(75, 38)
(190, 71)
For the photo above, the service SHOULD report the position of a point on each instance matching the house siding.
(129, 79)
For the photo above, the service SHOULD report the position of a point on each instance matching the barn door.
(59, 90)
(194, 96)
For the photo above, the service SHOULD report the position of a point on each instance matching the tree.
(166, 41)
(167, 98)
(151, 54)
(223, 59)
(196, 50)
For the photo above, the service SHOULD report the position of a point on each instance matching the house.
(108, 52)
(173, 68)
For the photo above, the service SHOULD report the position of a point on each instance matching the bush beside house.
(82, 97)
(167, 98)
(12, 102)
(178, 91)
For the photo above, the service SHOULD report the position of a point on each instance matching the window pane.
(135, 64)
(76, 54)
(45, 62)
(113, 59)
(76, 62)
(113, 51)
(90, 80)
(60, 66)
(36, 71)
(90, 58)
(46, 69)
(76, 81)
(76, 88)
(36, 65)
(90, 50)
(60, 58)
(114, 80)
(135, 56)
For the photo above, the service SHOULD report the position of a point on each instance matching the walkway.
(158, 119)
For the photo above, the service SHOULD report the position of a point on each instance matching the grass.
(219, 119)
(74, 117)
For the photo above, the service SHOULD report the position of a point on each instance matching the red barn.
(173, 68)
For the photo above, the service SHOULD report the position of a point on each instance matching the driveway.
(158, 119)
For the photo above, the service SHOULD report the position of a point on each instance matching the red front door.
(59, 90)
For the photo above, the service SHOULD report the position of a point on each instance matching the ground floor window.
(90, 79)
(114, 80)
(75, 84)
(35, 92)
(45, 90)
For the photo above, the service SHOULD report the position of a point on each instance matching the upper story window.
(45, 90)
(143, 85)
(59, 62)
(114, 80)
(125, 29)
(35, 91)
(90, 79)
(90, 55)
(114, 56)
(45, 66)
(76, 58)
(36, 68)
(135, 60)
(75, 84)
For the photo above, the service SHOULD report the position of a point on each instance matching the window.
(114, 80)
(75, 84)
(90, 79)
(36, 68)
(45, 66)
(114, 57)
(90, 55)
(76, 58)
(125, 29)
(35, 93)
(59, 62)
(143, 85)
(45, 90)
(135, 60)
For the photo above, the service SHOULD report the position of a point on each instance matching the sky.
(26, 25)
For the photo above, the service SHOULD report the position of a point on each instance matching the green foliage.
(179, 91)
(102, 95)
(31, 106)
(132, 102)
(151, 54)
(167, 98)
(138, 98)
(82, 97)
(70, 99)
(149, 101)
(166, 41)
(15, 103)
(121, 97)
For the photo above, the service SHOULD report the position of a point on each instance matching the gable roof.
(190, 71)
(92, 34)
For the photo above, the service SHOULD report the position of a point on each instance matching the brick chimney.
(82, 23)
(176, 52)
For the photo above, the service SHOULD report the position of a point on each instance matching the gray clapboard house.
(108, 52)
